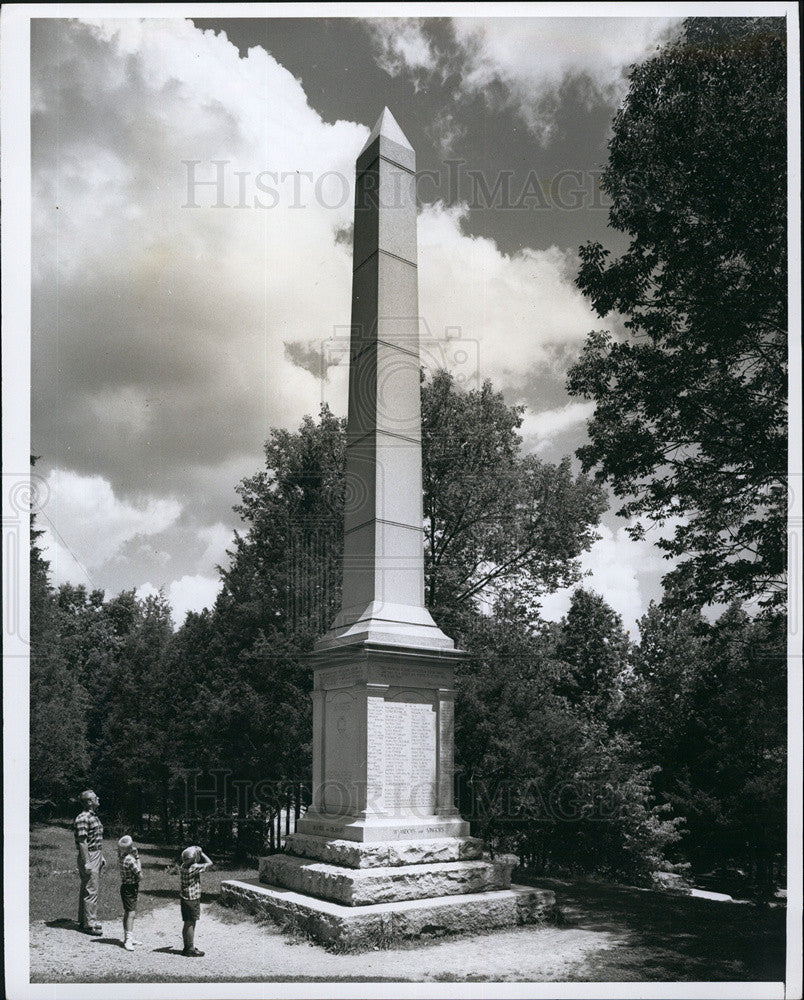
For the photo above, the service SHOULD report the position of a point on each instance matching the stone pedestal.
(383, 720)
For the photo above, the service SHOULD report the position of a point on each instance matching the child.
(193, 862)
(130, 875)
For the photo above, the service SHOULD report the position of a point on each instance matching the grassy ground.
(608, 934)
(54, 883)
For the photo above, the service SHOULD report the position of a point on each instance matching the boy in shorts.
(193, 862)
(130, 875)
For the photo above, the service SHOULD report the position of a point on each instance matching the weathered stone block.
(352, 854)
(364, 886)
(366, 926)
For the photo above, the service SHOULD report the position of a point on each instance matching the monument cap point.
(388, 127)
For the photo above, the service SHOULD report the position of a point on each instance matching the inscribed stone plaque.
(410, 754)
(334, 677)
(375, 764)
(340, 741)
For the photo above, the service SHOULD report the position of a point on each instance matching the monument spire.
(387, 126)
(383, 566)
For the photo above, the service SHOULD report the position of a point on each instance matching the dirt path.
(240, 950)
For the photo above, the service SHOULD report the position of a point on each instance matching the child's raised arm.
(205, 860)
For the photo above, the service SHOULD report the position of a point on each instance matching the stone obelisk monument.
(382, 845)
(383, 696)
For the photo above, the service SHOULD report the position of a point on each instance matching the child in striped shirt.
(193, 862)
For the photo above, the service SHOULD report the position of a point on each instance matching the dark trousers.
(88, 893)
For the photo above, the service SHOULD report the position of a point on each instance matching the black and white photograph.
(402, 500)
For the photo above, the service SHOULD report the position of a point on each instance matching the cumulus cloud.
(217, 538)
(189, 211)
(402, 46)
(624, 571)
(495, 57)
(484, 313)
(160, 308)
(158, 327)
(190, 593)
(65, 565)
(88, 532)
(494, 315)
(539, 430)
(87, 525)
(594, 50)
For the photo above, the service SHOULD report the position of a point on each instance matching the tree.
(492, 517)
(592, 642)
(495, 519)
(660, 689)
(132, 752)
(282, 587)
(285, 571)
(707, 704)
(59, 756)
(690, 418)
(544, 773)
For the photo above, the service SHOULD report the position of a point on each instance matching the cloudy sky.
(191, 275)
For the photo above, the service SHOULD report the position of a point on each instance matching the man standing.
(91, 862)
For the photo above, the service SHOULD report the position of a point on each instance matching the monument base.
(356, 927)
(364, 886)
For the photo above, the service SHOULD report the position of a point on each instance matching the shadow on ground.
(107, 940)
(669, 938)
(65, 922)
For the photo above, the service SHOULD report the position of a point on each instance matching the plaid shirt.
(87, 825)
(190, 881)
(130, 870)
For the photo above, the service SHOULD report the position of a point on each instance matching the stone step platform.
(353, 927)
(384, 854)
(361, 886)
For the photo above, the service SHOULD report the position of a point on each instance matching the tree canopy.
(493, 517)
(690, 417)
(59, 748)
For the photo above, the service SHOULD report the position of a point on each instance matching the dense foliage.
(59, 703)
(494, 519)
(690, 420)
(707, 703)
